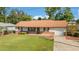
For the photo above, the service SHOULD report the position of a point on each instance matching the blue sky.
(33, 11)
(75, 11)
(39, 11)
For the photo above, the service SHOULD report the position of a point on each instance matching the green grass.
(25, 43)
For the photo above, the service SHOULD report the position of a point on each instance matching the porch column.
(37, 30)
(28, 30)
(20, 28)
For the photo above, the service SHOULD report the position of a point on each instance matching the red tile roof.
(42, 23)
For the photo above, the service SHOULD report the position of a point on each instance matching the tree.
(12, 17)
(17, 15)
(39, 18)
(59, 13)
(3, 14)
(68, 14)
(51, 11)
(59, 16)
(23, 17)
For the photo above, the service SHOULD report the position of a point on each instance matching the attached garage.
(57, 31)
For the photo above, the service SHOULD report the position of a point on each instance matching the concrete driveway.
(62, 44)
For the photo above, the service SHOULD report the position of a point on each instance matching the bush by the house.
(76, 35)
(22, 33)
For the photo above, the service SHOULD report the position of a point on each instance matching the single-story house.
(39, 26)
(7, 26)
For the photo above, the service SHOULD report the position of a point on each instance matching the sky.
(39, 11)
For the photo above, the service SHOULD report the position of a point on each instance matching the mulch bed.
(72, 38)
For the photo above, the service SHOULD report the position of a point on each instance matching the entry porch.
(33, 30)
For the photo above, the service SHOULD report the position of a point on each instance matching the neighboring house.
(7, 26)
(39, 26)
(72, 22)
(72, 26)
(78, 26)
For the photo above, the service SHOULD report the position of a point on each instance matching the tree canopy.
(59, 13)
(2, 14)
(14, 16)
(51, 11)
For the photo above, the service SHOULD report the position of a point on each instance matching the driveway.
(62, 44)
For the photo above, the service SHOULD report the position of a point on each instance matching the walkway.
(61, 44)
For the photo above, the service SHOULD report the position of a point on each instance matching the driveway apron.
(62, 44)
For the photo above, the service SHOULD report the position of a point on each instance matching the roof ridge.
(44, 20)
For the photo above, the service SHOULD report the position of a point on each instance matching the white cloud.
(46, 16)
(75, 18)
(36, 17)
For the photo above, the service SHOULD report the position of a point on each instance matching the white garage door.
(57, 31)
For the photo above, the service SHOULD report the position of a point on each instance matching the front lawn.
(25, 43)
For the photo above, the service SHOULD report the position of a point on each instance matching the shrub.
(5, 32)
(22, 32)
(76, 35)
(77, 30)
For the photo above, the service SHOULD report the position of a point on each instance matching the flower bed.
(72, 38)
